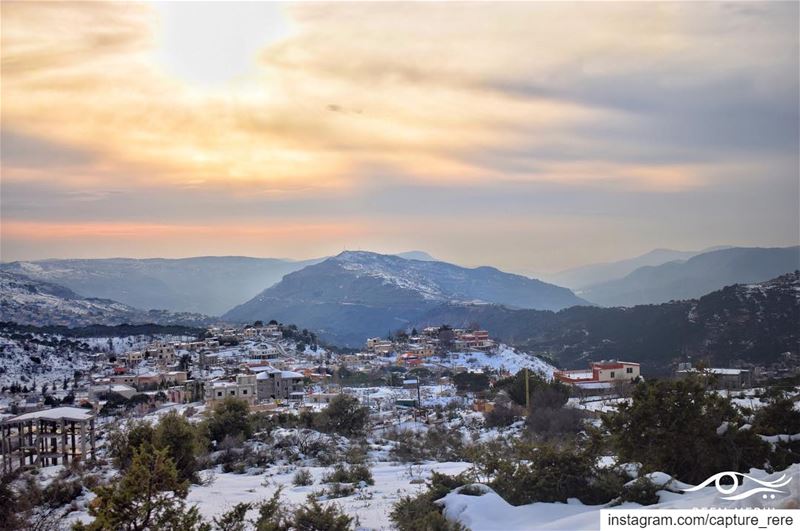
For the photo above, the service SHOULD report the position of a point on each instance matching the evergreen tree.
(148, 497)
(179, 438)
(229, 419)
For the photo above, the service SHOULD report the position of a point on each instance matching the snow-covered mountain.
(203, 284)
(357, 294)
(27, 301)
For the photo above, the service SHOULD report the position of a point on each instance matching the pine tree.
(149, 496)
(179, 437)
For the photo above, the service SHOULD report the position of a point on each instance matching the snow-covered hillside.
(27, 301)
(489, 511)
(504, 359)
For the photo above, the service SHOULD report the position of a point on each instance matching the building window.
(244, 391)
(219, 393)
(233, 393)
(629, 370)
(612, 374)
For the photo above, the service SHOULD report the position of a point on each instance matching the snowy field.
(371, 505)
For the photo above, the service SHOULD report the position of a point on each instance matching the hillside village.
(417, 429)
(456, 388)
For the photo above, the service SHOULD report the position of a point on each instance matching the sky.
(529, 136)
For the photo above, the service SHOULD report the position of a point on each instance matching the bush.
(61, 492)
(778, 417)
(349, 474)
(642, 491)
(415, 513)
(315, 517)
(471, 381)
(546, 422)
(543, 474)
(335, 490)
(552, 394)
(672, 427)
(500, 416)
(302, 478)
(344, 415)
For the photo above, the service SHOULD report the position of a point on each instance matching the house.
(722, 378)
(163, 353)
(601, 372)
(409, 359)
(243, 387)
(274, 384)
(126, 391)
(320, 398)
(411, 383)
(133, 357)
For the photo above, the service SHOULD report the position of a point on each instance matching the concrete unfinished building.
(49, 437)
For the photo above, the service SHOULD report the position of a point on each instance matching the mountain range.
(591, 274)
(750, 322)
(210, 285)
(27, 301)
(356, 294)
(694, 277)
(207, 284)
(359, 294)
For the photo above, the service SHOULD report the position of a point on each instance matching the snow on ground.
(506, 358)
(371, 505)
(490, 512)
(597, 404)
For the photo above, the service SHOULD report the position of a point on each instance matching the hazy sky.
(530, 136)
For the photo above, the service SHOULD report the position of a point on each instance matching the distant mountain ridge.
(696, 276)
(357, 294)
(581, 277)
(750, 322)
(206, 284)
(31, 302)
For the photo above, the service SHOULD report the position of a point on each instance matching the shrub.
(413, 513)
(302, 478)
(344, 415)
(778, 417)
(60, 492)
(234, 519)
(542, 393)
(672, 427)
(543, 474)
(642, 491)
(335, 490)
(471, 381)
(272, 514)
(500, 416)
(349, 474)
(315, 517)
(546, 422)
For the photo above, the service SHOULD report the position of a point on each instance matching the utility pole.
(527, 392)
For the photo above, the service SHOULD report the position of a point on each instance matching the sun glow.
(211, 43)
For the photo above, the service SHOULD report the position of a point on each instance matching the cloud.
(378, 113)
